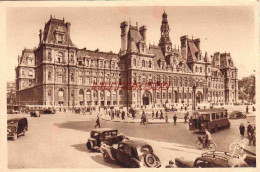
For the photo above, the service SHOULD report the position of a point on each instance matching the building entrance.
(147, 97)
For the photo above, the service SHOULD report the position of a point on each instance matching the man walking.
(161, 116)
(185, 118)
(242, 130)
(97, 122)
(152, 114)
(156, 115)
(174, 119)
(246, 109)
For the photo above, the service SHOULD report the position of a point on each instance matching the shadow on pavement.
(77, 125)
(81, 147)
(99, 159)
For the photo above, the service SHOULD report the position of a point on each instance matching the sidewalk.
(138, 120)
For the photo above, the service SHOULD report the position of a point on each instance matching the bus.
(210, 119)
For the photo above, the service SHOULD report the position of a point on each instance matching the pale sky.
(223, 29)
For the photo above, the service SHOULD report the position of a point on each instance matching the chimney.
(67, 25)
(40, 36)
(142, 31)
(124, 31)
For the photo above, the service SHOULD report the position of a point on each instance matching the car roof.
(221, 158)
(100, 130)
(135, 143)
(211, 110)
(15, 119)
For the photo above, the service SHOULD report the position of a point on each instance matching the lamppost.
(194, 97)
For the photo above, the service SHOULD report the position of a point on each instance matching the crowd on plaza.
(251, 132)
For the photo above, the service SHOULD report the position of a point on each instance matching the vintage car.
(212, 159)
(108, 135)
(132, 153)
(16, 127)
(236, 115)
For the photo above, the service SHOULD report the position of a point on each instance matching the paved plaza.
(58, 141)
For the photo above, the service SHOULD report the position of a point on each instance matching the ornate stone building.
(57, 73)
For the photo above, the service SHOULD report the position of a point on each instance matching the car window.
(221, 115)
(217, 116)
(114, 133)
(94, 134)
(121, 147)
(146, 149)
(205, 117)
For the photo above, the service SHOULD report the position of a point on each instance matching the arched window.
(120, 92)
(81, 93)
(196, 69)
(59, 58)
(88, 94)
(95, 94)
(30, 73)
(200, 69)
(61, 92)
(143, 63)
(134, 62)
(150, 64)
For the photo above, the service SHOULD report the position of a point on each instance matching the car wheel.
(228, 126)
(106, 157)
(134, 165)
(15, 136)
(198, 144)
(89, 145)
(212, 146)
(150, 160)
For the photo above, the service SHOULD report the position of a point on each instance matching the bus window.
(221, 115)
(205, 117)
(213, 116)
(225, 114)
(217, 116)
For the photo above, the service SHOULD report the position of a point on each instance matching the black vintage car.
(212, 159)
(16, 127)
(132, 153)
(236, 115)
(108, 135)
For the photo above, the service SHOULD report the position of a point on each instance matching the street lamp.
(194, 98)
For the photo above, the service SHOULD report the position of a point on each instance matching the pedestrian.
(246, 109)
(156, 115)
(175, 119)
(185, 118)
(253, 108)
(161, 116)
(166, 117)
(152, 114)
(97, 122)
(181, 108)
(254, 136)
(185, 108)
(123, 115)
(242, 130)
(249, 132)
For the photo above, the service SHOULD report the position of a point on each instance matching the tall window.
(30, 73)
(143, 63)
(49, 75)
(81, 80)
(59, 58)
(59, 78)
(87, 81)
(134, 62)
(150, 64)
(88, 94)
(72, 77)
(61, 92)
(158, 95)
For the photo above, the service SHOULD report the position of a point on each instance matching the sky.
(220, 29)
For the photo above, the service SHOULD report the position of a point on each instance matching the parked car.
(49, 111)
(132, 153)
(16, 127)
(108, 135)
(237, 114)
(212, 159)
(250, 160)
(35, 113)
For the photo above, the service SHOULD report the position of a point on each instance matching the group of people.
(116, 113)
(251, 132)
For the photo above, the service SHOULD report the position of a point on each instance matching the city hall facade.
(57, 73)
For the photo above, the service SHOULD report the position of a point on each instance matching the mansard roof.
(96, 54)
(192, 50)
(156, 50)
(56, 25)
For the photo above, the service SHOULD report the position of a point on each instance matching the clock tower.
(165, 41)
